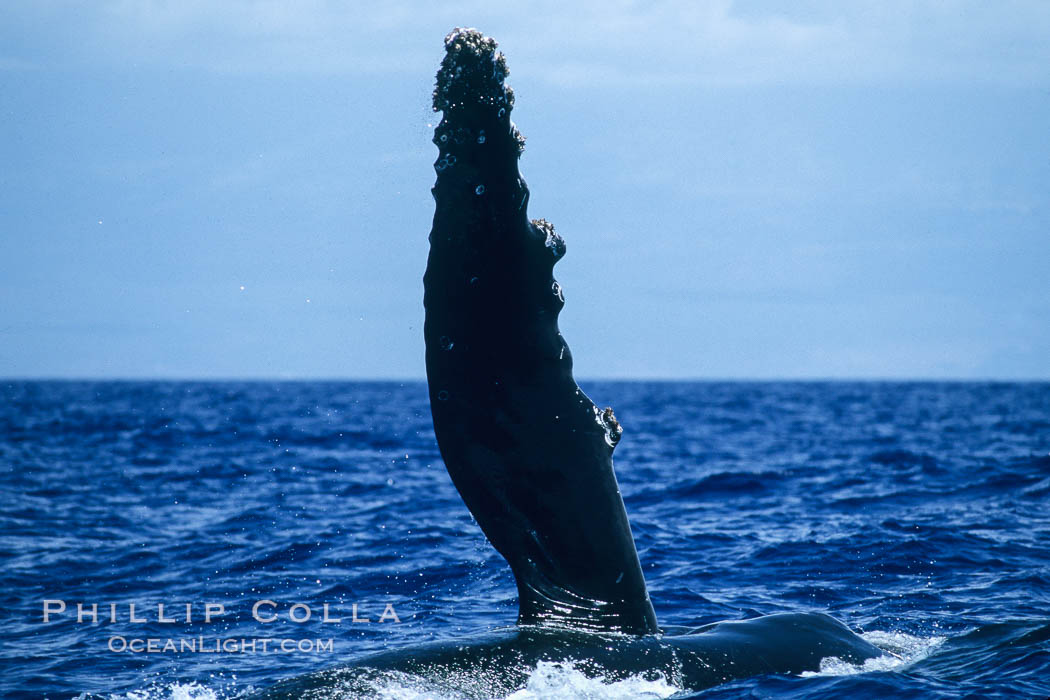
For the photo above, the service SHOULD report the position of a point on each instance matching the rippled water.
(917, 513)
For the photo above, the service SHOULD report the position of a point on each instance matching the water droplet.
(445, 343)
(480, 189)
(473, 280)
(451, 159)
(442, 395)
(443, 138)
(502, 111)
(481, 136)
(556, 288)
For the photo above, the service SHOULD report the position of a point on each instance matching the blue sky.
(747, 189)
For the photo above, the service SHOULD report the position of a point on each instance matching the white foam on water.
(402, 686)
(548, 681)
(562, 680)
(902, 650)
(170, 691)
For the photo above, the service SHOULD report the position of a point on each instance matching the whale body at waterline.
(531, 454)
(501, 662)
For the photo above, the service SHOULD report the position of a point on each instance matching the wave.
(902, 650)
(550, 680)
(165, 691)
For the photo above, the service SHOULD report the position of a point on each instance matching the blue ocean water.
(917, 513)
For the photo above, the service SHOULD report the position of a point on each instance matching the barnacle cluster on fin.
(552, 239)
(607, 420)
(473, 73)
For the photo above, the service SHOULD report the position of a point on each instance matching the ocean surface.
(916, 513)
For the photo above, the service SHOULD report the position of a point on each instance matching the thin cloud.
(584, 43)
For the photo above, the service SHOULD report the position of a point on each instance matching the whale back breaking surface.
(529, 452)
(499, 662)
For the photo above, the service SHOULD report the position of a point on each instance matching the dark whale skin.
(530, 454)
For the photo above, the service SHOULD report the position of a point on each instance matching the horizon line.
(636, 380)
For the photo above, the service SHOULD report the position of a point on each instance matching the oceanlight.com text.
(217, 645)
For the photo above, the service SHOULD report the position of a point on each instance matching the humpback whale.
(530, 453)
